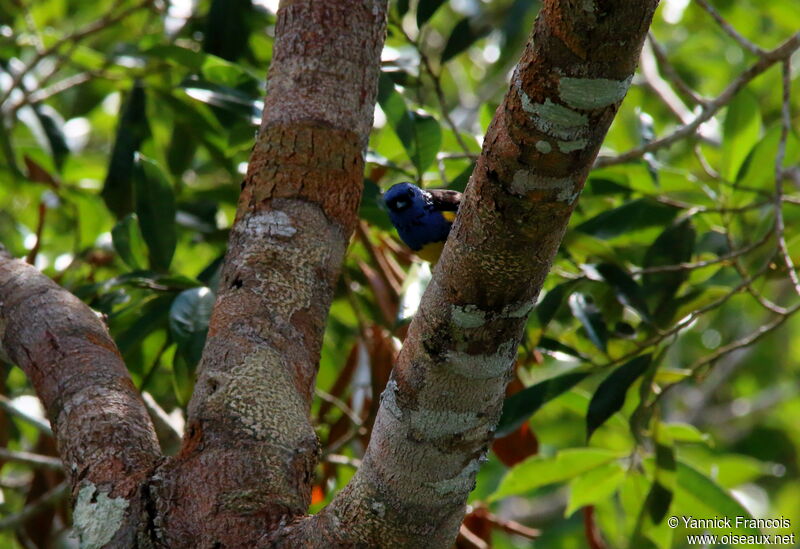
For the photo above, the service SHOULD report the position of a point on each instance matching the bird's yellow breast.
(431, 252)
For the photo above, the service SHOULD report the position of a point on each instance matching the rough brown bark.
(104, 434)
(242, 477)
(250, 449)
(439, 410)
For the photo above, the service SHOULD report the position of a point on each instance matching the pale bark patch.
(567, 147)
(526, 181)
(482, 366)
(260, 393)
(270, 223)
(551, 118)
(97, 517)
(468, 316)
(592, 93)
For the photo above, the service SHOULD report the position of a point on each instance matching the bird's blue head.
(413, 214)
(404, 200)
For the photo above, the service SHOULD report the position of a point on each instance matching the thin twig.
(339, 459)
(34, 251)
(9, 407)
(73, 38)
(339, 403)
(745, 341)
(728, 28)
(710, 109)
(763, 301)
(28, 458)
(672, 75)
(786, 121)
(437, 87)
(690, 266)
(662, 88)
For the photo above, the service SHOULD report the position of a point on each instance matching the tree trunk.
(242, 477)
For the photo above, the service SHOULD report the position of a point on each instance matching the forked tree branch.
(439, 410)
(105, 437)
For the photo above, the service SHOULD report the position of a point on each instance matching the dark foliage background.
(659, 373)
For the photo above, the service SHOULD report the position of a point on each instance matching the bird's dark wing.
(445, 200)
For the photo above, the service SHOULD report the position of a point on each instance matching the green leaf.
(118, 191)
(52, 125)
(151, 316)
(520, 406)
(594, 486)
(629, 217)
(626, 289)
(402, 7)
(459, 183)
(660, 496)
(227, 30)
(549, 344)
(240, 104)
(696, 299)
(758, 170)
(540, 471)
(673, 246)
(155, 206)
(182, 378)
(129, 243)
(610, 394)
(707, 499)
(547, 308)
(464, 34)
(427, 140)
(426, 9)
(177, 55)
(684, 432)
(740, 133)
(188, 321)
(419, 133)
(371, 209)
(590, 318)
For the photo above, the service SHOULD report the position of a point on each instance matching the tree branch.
(710, 108)
(249, 415)
(439, 410)
(105, 437)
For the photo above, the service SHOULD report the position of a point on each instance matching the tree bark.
(242, 476)
(438, 412)
(250, 450)
(104, 435)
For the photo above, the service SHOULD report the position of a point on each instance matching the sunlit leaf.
(740, 132)
(543, 470)
(593, 486)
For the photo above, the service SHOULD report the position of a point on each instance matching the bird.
(422, 217)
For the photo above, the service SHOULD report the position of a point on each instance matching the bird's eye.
(400, 204)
